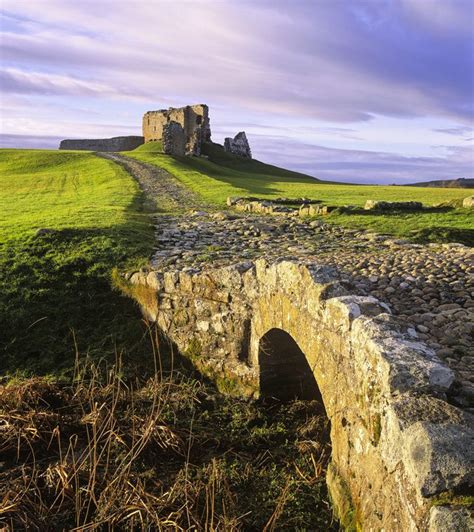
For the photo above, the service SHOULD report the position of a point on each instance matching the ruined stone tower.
(239, 145)
(182, 130)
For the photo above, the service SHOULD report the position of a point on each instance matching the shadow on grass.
(249, 174)
(395, 212)
(443, 235)
(252, 183)
(55, 291)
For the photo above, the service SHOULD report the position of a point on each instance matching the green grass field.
(223, 175)
(58, 190)
(56, 286)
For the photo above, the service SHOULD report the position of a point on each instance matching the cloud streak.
(457, 131)
(331, 60)
(363, 166)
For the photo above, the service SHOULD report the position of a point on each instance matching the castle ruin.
(182, 130)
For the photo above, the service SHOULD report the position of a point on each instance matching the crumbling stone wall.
(239, 145)
(174, 139)
(112, 144)
(194, 119)
(261, 206)
(397, 445)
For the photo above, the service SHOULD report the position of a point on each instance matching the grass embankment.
(55, 286)
(224, 175)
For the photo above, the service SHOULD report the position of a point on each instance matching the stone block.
(438, 457)
(155, 280)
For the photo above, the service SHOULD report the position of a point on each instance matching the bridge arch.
(284, 371)
(391, 434)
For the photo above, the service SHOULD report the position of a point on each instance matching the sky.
(368, 91)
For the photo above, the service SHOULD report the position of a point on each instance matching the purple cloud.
(337, 61)
(457, 131)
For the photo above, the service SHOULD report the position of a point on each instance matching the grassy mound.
(55, 283)
(150, 147)
(219, 156)
(223, 175)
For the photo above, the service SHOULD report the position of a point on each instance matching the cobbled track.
(158, 184)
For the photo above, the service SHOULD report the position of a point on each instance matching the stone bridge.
(400, 452)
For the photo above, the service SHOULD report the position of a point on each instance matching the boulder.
(45, 231)
(468, 202)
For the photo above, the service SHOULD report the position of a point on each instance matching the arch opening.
(285, 373)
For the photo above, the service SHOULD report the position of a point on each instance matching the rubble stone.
(468, 202)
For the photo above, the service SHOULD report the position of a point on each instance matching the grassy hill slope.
(446, 183)
(56, 285)
(225, 175)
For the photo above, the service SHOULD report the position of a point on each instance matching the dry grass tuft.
(167, 453)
